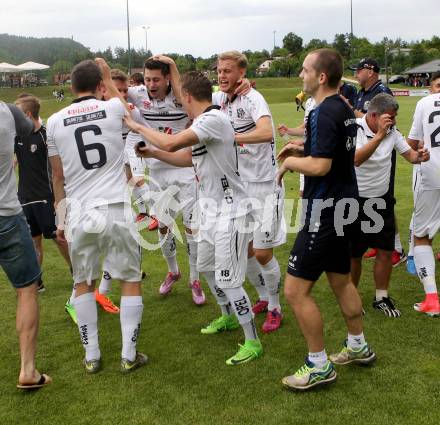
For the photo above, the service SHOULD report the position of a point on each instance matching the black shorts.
(316, 252)
(384, 238)
(40, 216)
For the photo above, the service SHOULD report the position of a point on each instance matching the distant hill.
(16, 49)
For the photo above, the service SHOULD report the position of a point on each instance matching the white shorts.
(136, 164)
(173, 190)
(267, 213)
(426, 217)
(109, 233)
(222, 248)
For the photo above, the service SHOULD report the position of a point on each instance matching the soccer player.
(160, 105)
(254, 130)
(34, 183)
(426, 218)
(376, 139)
(223, 241)
(86, 153)
(18, 257)
(319, 247)
(135, 172)
(410, 265)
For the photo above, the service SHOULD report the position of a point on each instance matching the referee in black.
(34, 182)
(322, 246)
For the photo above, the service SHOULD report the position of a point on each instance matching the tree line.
(62, 53)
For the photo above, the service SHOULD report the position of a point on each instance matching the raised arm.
(174, 75)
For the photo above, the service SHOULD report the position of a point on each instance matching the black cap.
(367, 63)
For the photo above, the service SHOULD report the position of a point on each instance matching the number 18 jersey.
(426, 127)
(87, 136)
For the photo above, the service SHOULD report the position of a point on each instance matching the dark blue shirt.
(331, 133)
(349, 92)
(365, 96)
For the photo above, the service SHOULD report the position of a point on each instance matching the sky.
(204, 27)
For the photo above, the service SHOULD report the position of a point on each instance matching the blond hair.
(29, 104)
(119, 75)
(235, 56)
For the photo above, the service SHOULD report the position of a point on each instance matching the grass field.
(187, 381)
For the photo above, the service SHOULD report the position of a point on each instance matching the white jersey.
(256, 162)
(87, 137)
(166, 116)
(215, 161)
(137, 117)
(373, 176)
(426, 127)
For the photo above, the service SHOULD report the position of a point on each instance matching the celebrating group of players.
(212, 156)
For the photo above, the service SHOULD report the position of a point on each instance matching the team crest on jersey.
(240, 113)
(33, 148)
(147, 104)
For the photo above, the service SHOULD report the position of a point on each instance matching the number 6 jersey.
(87, 135)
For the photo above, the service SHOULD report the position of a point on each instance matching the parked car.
(396, 79)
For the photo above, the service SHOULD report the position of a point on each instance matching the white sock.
(272, 279)
(105, 286)
(87, 315)
(356, 341)
(255, 277)
(72, 296)
(168, 247)
(131, 318)
(191, 244)
(411, 244)
(425, 266)
(398, 243)
(319, 359)
(140, 195)
(381, 293)
(219, 295)
(241, 305)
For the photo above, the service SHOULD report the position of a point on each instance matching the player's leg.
(269, 234)
(355, 347)
(231, 245)
(38, 244)
(124, 263)
(426, 225)
(317, 370)
(188, 197)
(255, 277)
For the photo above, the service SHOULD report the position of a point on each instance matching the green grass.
(187, 381)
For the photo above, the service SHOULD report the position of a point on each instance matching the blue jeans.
(17, 252)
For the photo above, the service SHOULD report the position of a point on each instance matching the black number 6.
(82, 148)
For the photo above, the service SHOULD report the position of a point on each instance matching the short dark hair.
(329, 62)
(155, 64)
(137, 78)
(435, 76)
(197, 85)
(29, 104)
(85, 76)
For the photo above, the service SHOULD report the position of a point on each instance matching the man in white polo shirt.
(376, 139)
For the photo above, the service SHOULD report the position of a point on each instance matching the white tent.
(7, 67)
(31, 66)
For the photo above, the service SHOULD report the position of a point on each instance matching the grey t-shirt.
(12, 122)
